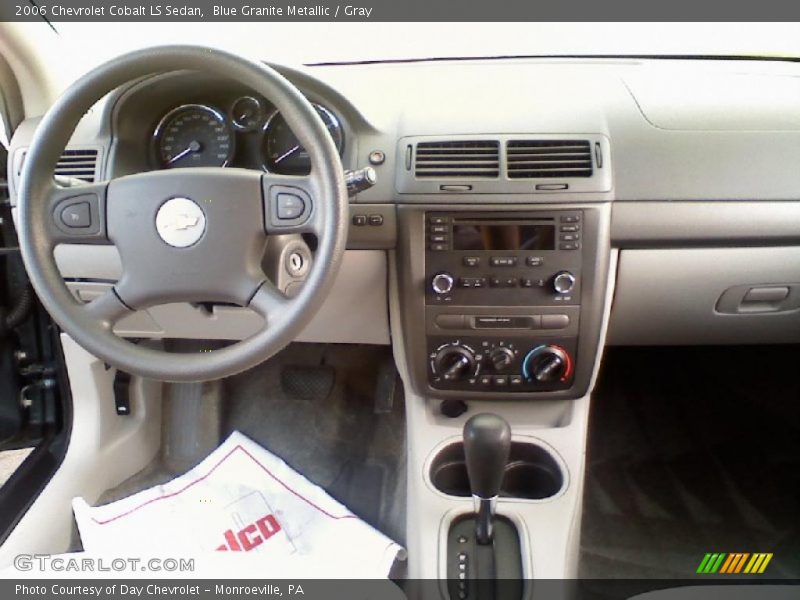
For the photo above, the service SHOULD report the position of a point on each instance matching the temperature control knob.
(547, 364)
(442, 283)
(454, 362)
(501, 358)
(563, 282)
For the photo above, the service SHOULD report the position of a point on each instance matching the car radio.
(503, 299)
(497, 259)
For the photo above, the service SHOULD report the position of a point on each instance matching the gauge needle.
(194, 146)
(287, 154)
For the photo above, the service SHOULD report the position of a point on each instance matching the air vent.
(548, 158)
(78, 163)
(458, 159)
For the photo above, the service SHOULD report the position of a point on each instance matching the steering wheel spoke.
(107, 308)
(269, 302)
(77, 214)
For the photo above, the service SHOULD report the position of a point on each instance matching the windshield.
(333, 42)
(68, 50)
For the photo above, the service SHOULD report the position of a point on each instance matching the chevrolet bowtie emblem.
(182, 221)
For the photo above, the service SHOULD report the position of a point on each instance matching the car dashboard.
(526, 212)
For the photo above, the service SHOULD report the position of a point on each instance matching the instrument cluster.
(249, 132)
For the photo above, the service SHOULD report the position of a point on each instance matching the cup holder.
(531, 473)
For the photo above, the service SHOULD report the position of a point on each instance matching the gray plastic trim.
(685, 223)
(671, 296)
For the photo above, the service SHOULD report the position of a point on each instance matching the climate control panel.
(501, 365)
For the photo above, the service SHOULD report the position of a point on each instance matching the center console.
(504, 303)
(522, 260)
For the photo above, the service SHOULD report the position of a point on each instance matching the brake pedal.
(301, 382)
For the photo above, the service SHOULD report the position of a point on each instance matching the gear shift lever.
(487, 443)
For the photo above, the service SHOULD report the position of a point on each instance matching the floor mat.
(692, 450)
(337, 441)
(313, 406)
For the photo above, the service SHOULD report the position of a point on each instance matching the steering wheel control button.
(290, 206)
(359, 220)
(287, 208)
(180, 222)
(77, 215)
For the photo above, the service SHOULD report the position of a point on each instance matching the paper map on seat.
(241, 498)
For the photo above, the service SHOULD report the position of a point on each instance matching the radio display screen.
(481, 236)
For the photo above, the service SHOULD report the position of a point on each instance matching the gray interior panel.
(673, 296)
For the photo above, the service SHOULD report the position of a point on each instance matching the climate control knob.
(547, 364)
(563, 282)
(501, 358)
(454, 362)
(442, 283)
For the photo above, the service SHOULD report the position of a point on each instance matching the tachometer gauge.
(282, 151)
(247, 113)
(194, 135)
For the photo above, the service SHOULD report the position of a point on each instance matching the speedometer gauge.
(282, 151)
(194, 135)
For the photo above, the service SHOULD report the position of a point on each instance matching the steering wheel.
(183, 235)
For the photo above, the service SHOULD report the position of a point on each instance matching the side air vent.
(527, 159)
(78, 163)
(458, 159)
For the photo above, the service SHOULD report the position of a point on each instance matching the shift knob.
(487, 443)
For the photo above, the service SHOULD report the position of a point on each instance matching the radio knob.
(454, 362)
(442, 283)
(501, 358)
(563, 282)
(547, 364)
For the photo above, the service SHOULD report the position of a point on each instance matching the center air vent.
(458, 159)
(548, 158)
(78, 163)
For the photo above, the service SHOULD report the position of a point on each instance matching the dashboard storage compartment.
(531, 472)
(694, 296)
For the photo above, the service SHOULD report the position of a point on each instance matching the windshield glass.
(68, 50)
(332, 42)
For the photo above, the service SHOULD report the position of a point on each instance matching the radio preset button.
(438, 247)
(569, 237)
(526, 282)
(472, 261)
(503, 282)
(503, 261)
(569, 246)
(440, 239)
(438, 220)
(570, 228)
(570, 218)
(438, 228)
